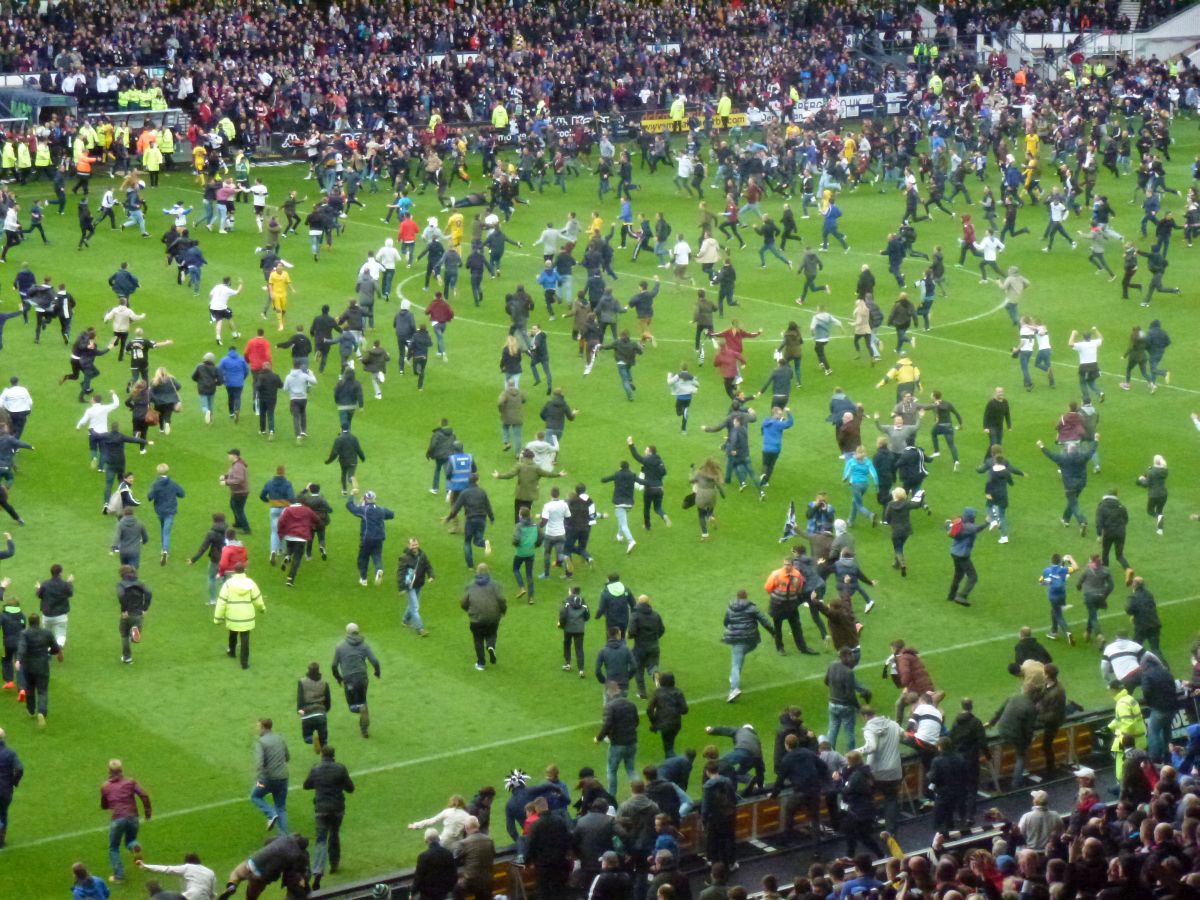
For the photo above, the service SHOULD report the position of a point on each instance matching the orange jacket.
(785, 580)
(83, 165)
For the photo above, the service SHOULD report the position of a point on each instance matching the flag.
(789, 526)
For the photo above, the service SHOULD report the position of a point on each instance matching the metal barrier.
(762, 817)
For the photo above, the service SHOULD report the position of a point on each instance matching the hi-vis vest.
(42, 156)
(166, 141)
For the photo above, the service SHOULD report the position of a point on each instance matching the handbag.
(151, 416)
(690, 500)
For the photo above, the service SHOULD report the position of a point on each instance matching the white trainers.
(733, 695)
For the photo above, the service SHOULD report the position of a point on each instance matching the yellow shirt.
(199, 154)
(848, 148)
(454, 225)
(596, 226)
(279, 282)
(1033, 143)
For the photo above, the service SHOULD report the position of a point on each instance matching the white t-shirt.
(556, 513)
(1043, 339)
(218, 297)
(1087, 350)
(682, 253)
(260, 195)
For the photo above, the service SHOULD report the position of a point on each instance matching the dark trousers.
(652, 498)
(862, 831)
(1049, 733)
(1111, 542)
(668, 736)
(37, 692)
(329, 829)
(792, 618)
(355, 689)
(970, 796)
(646, 663)
(576, 641)
(891, 802)
(295, 555)
(243, 638)
(810, 803)
(237, 503)
(719, 843)
(484, 635)
(963, 569)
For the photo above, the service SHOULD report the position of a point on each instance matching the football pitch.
(182, 716)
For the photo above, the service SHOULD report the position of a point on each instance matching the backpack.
(956, 527)
(874, 314)
(114, 505)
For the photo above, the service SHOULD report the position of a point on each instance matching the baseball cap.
(1039, 797)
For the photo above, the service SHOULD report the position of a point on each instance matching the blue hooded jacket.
(373, 516)
(233, 369)
(965, 541)
(772, 433)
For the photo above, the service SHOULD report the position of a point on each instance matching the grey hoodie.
(129, 535)
(881, 748)
(351, 657)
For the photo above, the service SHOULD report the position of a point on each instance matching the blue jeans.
(738, 654)
(278, 789)
(474, 528)
(946, 432)
(1091, 604)
(439, 332)
(412, 614)
(511, 435)
(1000, 514)
(438, 466)
(276, 544)
(122, 831)
(1023, 357)
(165, 523)
(841, 718)
(626, 379)
(1058, 622)
(206, 403)
(617, 754)
(857, 491)
(1158, 735)
(773, 250)
(212, 583)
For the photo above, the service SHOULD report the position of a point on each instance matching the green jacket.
(525, 537)
(528, 475)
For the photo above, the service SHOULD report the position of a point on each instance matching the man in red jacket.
(119, 795)
(296, 525)
(258, 352)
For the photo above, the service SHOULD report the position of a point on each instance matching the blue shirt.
(1055, 579)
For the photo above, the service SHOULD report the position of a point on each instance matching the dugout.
(34, 105)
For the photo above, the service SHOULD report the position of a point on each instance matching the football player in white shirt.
(554, 520)
(218, 306)
(258, 194)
